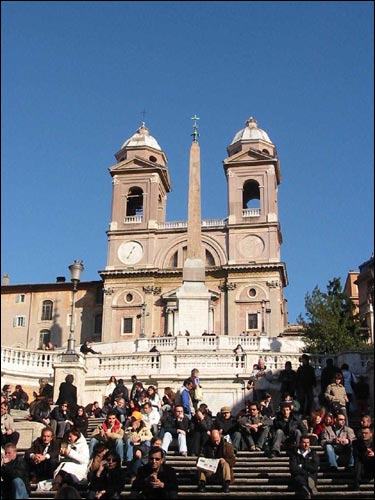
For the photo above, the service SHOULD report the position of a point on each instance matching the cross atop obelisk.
(195, 133)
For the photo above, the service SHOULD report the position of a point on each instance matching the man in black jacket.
(155, 479)
(304, 466)
(15, 475)
(43, 456)
(288, 429)
(229, 427)
(254, 427)
(175, 426)
(363, 449)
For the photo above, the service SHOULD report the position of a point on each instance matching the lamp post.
(143, 315)
(263, 333)
(75, 275)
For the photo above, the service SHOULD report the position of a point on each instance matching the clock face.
(130, 252)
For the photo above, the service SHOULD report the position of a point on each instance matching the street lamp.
(263, 333)
(75, 275)
(143, 315)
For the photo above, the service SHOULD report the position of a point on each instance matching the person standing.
(68, 393)
(349, 381)
(305, 383)
(287, 379)
(261, 377)
(196, 392)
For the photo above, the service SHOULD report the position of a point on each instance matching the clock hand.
(131, 251)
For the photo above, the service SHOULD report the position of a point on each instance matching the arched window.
(251, 195)
(134, 205)
(47, 310)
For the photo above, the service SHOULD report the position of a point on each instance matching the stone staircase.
(256, 477)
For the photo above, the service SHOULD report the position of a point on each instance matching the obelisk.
(193, 296)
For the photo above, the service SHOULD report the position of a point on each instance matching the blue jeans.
(19, 489)
(332, 457)
(119, 446)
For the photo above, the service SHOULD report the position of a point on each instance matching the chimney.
(60, 279)
(5, 279)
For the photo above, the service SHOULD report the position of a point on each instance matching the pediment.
(134, 163)
(249, 155)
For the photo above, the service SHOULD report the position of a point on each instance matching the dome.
(141, 139)
(251, 133)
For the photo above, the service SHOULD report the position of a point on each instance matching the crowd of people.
(140, 426)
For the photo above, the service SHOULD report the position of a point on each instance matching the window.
(252, 292)
(47, 308)
(134, 205)
(127, 326)
(19, 321)
(129, 297)
(98, 324)
(20, 298)
(252, 321)
(251, 195)
(44, 338)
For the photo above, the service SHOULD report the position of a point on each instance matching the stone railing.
(23, 362)
(213, 356)
(133, 219)
(183, 224)
(210, 342)
(251, 212)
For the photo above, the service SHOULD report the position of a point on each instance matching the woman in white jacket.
(74, 456)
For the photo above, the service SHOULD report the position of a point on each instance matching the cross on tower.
(143, 113)
(195, 128)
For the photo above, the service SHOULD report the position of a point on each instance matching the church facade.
(244, 274)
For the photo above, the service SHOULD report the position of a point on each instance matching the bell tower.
(140, 183)
(253, 174)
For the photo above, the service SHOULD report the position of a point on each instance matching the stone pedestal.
(193, 308)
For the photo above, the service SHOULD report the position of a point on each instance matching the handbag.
(335, 407)
(198, 393)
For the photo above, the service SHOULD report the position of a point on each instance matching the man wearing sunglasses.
(337, 441)
(155, 479)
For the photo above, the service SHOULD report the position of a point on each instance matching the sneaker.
(202, 486)
(252, 448)
(312, 486)
(183, 453)
(306, 492)
(258, 448)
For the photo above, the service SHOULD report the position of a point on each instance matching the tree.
(330, 323)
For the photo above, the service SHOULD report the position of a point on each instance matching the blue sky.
(76, 77)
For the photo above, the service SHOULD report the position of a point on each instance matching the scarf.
(115, 427)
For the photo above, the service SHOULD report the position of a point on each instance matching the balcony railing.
(251, 212)
(133, 219)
